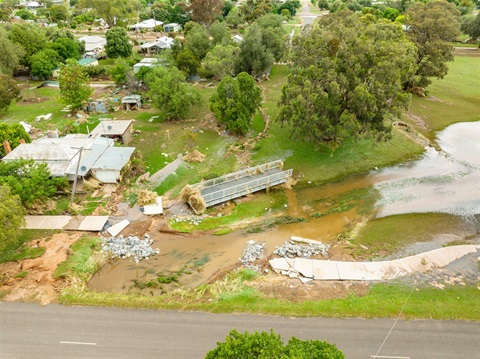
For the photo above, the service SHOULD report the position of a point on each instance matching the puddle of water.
(439, 182)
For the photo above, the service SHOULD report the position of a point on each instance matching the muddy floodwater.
(440, 181)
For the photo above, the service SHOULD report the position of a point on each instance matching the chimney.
(22, 140)
(7, 147)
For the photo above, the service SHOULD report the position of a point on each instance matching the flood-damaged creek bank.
(434, 199)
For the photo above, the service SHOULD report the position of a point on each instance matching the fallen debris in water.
(305, 249)
(131, 246)
(253, 252)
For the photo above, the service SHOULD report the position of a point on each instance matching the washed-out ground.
(38, 285)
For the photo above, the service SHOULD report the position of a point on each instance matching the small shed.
(237, 39)
(115, 129)
(173, 27)
(132, 102)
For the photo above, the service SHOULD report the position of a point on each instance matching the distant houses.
(161, 43)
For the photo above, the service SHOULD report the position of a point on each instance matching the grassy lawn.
(383, 300)
(456, 98)
(387, 235)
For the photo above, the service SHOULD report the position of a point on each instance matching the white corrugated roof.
(147, 24)
(114, 158)
(113, 127)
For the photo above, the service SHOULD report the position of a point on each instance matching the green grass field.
(456, 98)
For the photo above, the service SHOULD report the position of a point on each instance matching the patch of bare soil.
(29, 100)
(38, 285)
(292, 289)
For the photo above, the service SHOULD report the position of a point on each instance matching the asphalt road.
(54, 331)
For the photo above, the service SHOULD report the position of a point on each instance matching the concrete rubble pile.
(252, 252)
(302, 250)
(131, 246)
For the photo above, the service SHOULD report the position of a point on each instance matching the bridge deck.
(247, 181)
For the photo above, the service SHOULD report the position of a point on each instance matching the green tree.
(235, 102)
(291, 6)
(334, 93)
(114, 12)
(118, 72)
(118, 43)
(10, 53)
(9, 91)
(234, 17)
(307, 349)
(12, 133)
(254, 58)
(198, 42)
(11, 216)
(30, 38)
(270, 345)
(220, 33)
(170, 93)
(43, 62)
(218, 62)
(74, 88)
(431, 27)
(187, 62)
(25, 14)
(30, 181)
(66, 48)
(249, 346)
(471, 26)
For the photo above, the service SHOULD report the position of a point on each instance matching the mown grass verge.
(383, 300)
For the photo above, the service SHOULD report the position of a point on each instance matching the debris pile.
(303, 250)
(252, 252)
(131, 246)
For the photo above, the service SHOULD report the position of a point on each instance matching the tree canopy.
(270, 345)
(11, 216)
(74, 88)
(431, 27)
(346, 80)
(205, 11)
(118, 43)
(12, 133)
(30, 181)
(9, 91)
(170, 93)
(10, 53)
(114, 12)
(43, 63)
(235, 102)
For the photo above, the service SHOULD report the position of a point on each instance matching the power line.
(395, 323)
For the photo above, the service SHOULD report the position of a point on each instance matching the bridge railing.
(240, 174)
(246, 188)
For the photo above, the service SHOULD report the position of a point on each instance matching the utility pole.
(76, 175)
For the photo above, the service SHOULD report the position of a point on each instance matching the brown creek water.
(446, 181)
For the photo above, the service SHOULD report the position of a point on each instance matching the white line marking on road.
(78, 343)
(387, 357)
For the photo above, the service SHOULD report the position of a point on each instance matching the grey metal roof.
(112, 128)
(56, 156)
(131, 99)
(114, 158)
